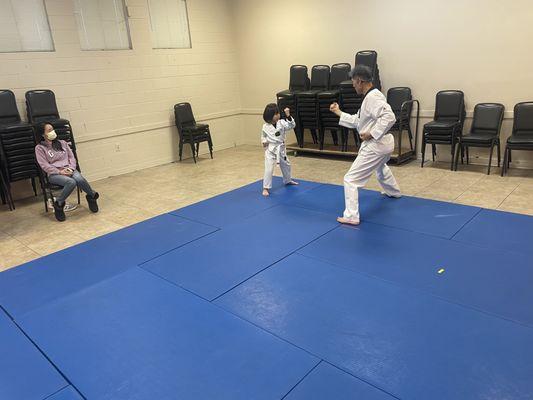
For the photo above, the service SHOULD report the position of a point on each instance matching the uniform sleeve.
(263, 137)
(71, 159)
(349, 121)
(287, 124)
(384, 117)
(40, 156)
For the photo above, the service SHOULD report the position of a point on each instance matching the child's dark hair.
(270, 110)
(56, 144)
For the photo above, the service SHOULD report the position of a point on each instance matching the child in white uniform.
(273, 140)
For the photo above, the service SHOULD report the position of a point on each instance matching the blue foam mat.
(412, 345)
(66, 394)
(29, 286)
(327, 382)
(410, 213)
(489, 280)
(135, 336)
(500, 230)
(214, 264)
(25, 374)
(234, 206)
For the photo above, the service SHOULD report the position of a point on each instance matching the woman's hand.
(66, 172)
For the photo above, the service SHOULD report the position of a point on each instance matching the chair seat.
(195, 129)
(440, 125)
(328, 93)
(15, 127)
(478, 138)
(523, 139)
(308, 93)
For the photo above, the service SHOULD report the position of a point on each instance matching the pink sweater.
(51, 161)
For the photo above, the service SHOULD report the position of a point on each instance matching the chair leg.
(459, 148)
(33, 186)
(193, 151)
(423, 153)
(453, 156)
(509, 159)
(321, 134)
(79, 200)
(504, 165)
(490, 157)
(499, 151)
(314, 136)
(433, 151)
(198, 149)
(335, 137)
(467, 156)
(210, 144)
(181, 148)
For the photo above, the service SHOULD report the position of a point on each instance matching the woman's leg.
(68, 183)
(82, 183)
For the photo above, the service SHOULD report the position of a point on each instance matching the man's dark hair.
(362, 72)
(270, 110)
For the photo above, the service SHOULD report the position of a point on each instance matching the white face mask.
(52, 135)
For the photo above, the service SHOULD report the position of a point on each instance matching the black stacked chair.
(484, 132)
(307, 102)
(17, 148)
(350, 100)
(522, 135)
(370, 59)
(191, 132)
(298, 82)
(401, 101)
(41, 107)
(329, 121)
(447, 126)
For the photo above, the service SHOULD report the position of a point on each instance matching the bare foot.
(292, 183)
(265, 192)
(347, 221)
(390, 196)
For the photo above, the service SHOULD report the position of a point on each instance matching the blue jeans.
(69, 183)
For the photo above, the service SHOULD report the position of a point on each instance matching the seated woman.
(57, 160)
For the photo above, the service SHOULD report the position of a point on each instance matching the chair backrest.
(396, 96)
(299, 79)
(41, 106)
(488, 118)
(8, 108)
(339, 73)
(450, 106)
(320, 77)
(368, 58)
(183, 114)
(523, 118)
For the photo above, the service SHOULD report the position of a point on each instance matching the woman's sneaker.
(68, 207)
(91, 200)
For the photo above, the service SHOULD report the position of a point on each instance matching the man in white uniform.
(373, 121)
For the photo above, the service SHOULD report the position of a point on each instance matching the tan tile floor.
(27, 233)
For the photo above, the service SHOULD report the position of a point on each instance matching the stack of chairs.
(298, 82)
(307, 101)
(329, 121)
(17, 147)
(41, 107)
(350, 100)
(401, 101)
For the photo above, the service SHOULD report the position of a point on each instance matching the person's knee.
(70, 182)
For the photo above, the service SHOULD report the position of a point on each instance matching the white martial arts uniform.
(375, 117)
(275, 151)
